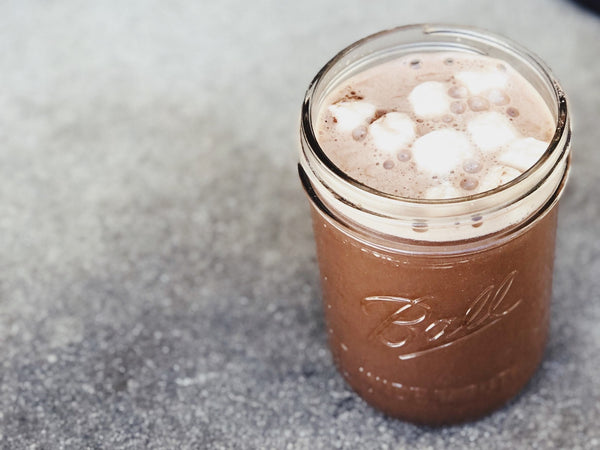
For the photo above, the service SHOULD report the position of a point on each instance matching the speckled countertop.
(158, 282)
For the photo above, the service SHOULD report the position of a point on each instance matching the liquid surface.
(435, 125)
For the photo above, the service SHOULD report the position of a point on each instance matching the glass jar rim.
(462, 32)
(504, 209)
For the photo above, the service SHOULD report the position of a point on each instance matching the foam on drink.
(435, 125)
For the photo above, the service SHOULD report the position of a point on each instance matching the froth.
(442, 190)
(497, 176)
(421, 128)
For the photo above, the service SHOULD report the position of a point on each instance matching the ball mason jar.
(437, 311)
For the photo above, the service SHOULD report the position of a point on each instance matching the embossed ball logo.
(414, 331)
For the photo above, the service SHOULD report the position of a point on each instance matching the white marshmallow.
(440, 151)
(491, 130)
(350, 115)
(392, 132)
(497, 176)
(498, 97)
(479, 82)
(442, 191)
(429, 99)
(523, 153)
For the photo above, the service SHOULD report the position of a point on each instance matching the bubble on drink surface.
(469, 183)
(497, 176)
(479, 82)
(404, 155)
(440, 151)
(359, 133)
(490, 131)
(429, 99)
(388, 164)
(447, 118)
(523, 153)
(442, 191)
(478, 103)
(392, 131)
(458, 92)
(458, 107)
(498, 97)
(512, 111)
(350, 115)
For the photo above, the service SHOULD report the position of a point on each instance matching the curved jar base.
(434, 406)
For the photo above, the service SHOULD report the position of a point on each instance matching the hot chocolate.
(436, 339)
(435, 125)
(434, 172)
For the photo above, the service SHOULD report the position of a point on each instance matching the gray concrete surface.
(158, 286)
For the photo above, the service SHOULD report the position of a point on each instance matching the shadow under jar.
(437, 310)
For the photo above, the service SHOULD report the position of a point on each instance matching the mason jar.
(437, 311)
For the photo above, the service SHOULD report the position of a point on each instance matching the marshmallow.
(523, 153)
(442, 191)
(392, 131)
(498, 97)
(490, 131)
(497, 176)
(350, 115)
(479, 82)
(440, 151)
(429, 99)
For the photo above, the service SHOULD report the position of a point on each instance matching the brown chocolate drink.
(437, 339)
(434, 176)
